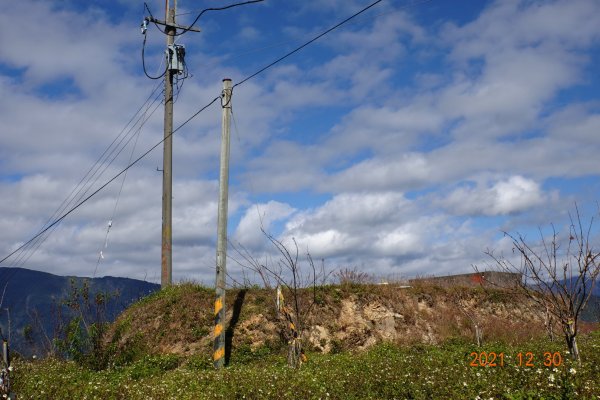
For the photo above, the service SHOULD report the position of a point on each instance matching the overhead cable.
(114, 212)
(79, 190)
(79, 204)
(144, 62)
(307, 43)
(63, 216)
(214, 9)
(35, 245)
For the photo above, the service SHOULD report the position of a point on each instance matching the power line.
(101, 163)
(36, 242)
(112, 217)
(77, 190)
(214, 9)
(63, 216)
(307, 43)
(144, 62)
(29, 252)
(80, 203)
(189, 28)
(273, 45)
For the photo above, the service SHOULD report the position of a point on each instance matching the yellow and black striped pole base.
(219, 332)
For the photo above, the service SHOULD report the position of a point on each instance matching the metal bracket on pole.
(172, 25)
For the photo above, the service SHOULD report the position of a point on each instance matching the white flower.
(573, 371)
(551, 377)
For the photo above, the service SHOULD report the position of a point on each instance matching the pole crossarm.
(172, 25)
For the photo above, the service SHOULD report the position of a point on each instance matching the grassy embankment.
(385, 371)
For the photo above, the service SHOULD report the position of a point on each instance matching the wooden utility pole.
(174, 65)
(219, 332)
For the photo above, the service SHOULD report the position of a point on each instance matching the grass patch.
(384, 372)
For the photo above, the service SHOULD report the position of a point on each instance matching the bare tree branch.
(560, 280)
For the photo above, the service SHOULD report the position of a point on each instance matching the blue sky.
(403, 143)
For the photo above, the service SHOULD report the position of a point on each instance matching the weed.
(385, 371)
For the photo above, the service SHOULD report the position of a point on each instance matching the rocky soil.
(350, 317)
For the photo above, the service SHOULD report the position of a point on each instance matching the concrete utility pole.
(166, 271)
(219, 333)
(174, 65)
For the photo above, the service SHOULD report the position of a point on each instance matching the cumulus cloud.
(354, 224)
(579, 122)
(514, 195)
(403, 132)
(258, 218)
(409, 171)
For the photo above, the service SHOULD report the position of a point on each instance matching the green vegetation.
(384, 372)
(161, 347)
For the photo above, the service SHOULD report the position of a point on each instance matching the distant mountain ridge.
(595, 289)
(28, 293)
(591, 312)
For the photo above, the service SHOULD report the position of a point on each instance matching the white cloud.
(580, 123)
(49, 51)
(514, 195)
(324, 244)
(384, 120)
(357, 223)
(400, 241)
(259, 217)
(249, 33)
(526, 53)
(409, 171)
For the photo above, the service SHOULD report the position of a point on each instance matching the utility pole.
(166, 269)
(219, 332)
(174, 65)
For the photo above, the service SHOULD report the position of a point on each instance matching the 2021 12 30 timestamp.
(526, 359)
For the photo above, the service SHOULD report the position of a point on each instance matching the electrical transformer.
(176, 58)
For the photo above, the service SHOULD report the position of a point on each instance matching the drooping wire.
(297, 49)
(178, 87)
(80, 203)
(112, 217)
(31, 250)
(79, 191)
(144, 62)
(355, 21)
(152, 17)
(111, 180)
(185, 30)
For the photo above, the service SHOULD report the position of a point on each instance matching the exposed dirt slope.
(178, 320)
